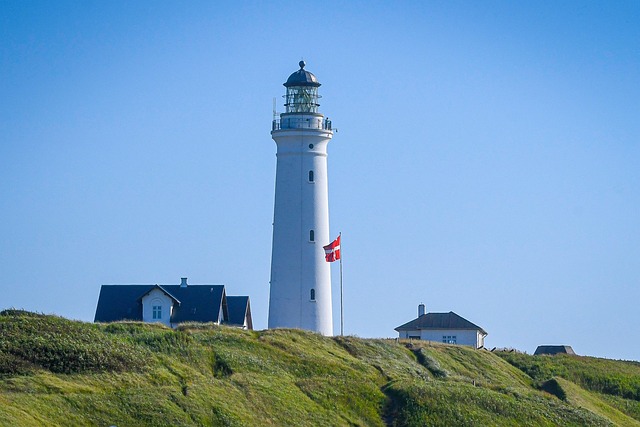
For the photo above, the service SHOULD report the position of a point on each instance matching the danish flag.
(332, 251)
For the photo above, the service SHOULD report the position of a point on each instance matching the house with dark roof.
(448, 328)
(554, 349)
(239, 312)
(173, 304)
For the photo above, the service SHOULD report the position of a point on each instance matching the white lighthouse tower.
(300, 294)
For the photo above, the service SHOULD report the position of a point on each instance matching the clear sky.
(487, 159)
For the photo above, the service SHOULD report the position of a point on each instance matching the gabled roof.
(448, 320)
(163, 290)
(120, 302)
(239, 310)
(197, 303)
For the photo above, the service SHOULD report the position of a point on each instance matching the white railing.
(301, 123)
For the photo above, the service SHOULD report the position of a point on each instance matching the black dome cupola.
(302, 77)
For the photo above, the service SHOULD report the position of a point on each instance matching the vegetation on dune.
(615, 384)
(627, 406)
(614, 377)
(462, 404)
(30, 340)
(55, 371)
(594, 402)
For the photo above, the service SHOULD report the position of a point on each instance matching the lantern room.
(302, 92)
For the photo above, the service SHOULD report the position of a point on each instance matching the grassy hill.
(59, 372)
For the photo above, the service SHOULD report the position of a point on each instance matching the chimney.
(420, 309)
(183, 282)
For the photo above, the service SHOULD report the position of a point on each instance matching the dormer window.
(157, 312)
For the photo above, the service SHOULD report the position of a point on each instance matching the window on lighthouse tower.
(312, 236)
(310, 176)
(313, 295)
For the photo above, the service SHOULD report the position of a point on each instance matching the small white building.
(448, 328)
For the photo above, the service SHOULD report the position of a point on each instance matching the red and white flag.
(332, 251)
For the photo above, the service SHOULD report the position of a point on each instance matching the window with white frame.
(157, 312)
(449, 339)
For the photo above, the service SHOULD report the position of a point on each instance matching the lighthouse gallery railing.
(301, 123)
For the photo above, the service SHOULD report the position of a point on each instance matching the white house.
(173, 304)
(447, 328)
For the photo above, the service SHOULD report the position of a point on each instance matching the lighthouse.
(300, 286)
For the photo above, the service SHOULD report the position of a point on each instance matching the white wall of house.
(470, 337)
(245, 324)
(157, 307)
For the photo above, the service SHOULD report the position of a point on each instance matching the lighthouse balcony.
(301, 123)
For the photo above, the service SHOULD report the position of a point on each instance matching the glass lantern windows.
(302, 99)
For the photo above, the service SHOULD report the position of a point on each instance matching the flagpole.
(341, 295)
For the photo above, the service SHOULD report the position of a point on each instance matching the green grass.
(465, 364)
(626, 406)
(29, 340)
(461, 404)
(593, 402)
(614, 377)
(613, 385)
(57, 372)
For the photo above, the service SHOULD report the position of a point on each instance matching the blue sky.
(486, 161)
